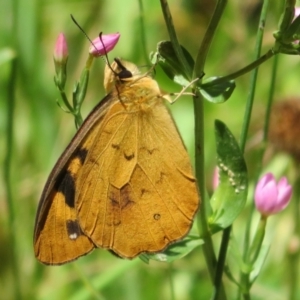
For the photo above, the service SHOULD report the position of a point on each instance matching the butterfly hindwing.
(143, 194)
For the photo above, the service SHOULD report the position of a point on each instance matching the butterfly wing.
(124, 183)
(58, 237)
(137, 194)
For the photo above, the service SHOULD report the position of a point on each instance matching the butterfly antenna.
(105, 54)
(81, 29)
(100, 37)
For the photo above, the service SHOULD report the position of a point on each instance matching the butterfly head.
(119, 71)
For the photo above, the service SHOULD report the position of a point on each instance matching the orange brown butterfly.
(124, 183)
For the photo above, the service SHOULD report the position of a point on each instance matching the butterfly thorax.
(139, 93)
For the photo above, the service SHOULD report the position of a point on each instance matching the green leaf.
(257, 266)
(166, 57)
(175, 251)
(217, 93)
(230, 197)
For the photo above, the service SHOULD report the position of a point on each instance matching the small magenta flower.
(272, 197)
(104, 45)
(61, 53)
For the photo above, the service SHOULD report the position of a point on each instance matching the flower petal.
(271, 197)
(104, 45)
(60, 53)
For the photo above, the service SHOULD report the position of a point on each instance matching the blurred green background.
(41, 131)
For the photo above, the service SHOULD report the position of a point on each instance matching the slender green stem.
(270, 102)
(8, 162)
(78, 120)
(8, 178)
(207, 39)
(66, 101)
(245, 277)
(253, 78)
(252, 256)
(173, 37)
(243, 71)
(257, 241)
(208, 248)
(221, 263)
(143, 31)
(262, 150)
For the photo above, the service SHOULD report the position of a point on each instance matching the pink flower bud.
(60, 53)
(272, 197)
(108, 42)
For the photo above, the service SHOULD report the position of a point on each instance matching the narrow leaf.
(230, 197)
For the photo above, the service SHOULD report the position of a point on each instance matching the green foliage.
(34, 131)
(229, 198)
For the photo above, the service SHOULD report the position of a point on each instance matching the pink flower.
(272, 197)
(108, 42)
(60, 53)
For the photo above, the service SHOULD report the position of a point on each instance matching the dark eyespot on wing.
(156, 217)
(81, 154)
(73, 229)
(66, 185)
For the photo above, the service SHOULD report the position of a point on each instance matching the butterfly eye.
(124, 73)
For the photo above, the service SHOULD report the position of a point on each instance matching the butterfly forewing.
(58, 237)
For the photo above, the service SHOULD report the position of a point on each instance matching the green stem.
(208, 248)
(269, 104)
(221, 263)
(8, 178)
(257, 241)
(173, 37)
(207, 39)
(245, 277)
(262, 151)
(143, 31)
(243, 71)
(251, 258)
(8, 161)
(66, 101)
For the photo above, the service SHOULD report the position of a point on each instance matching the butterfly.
(124, 183)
